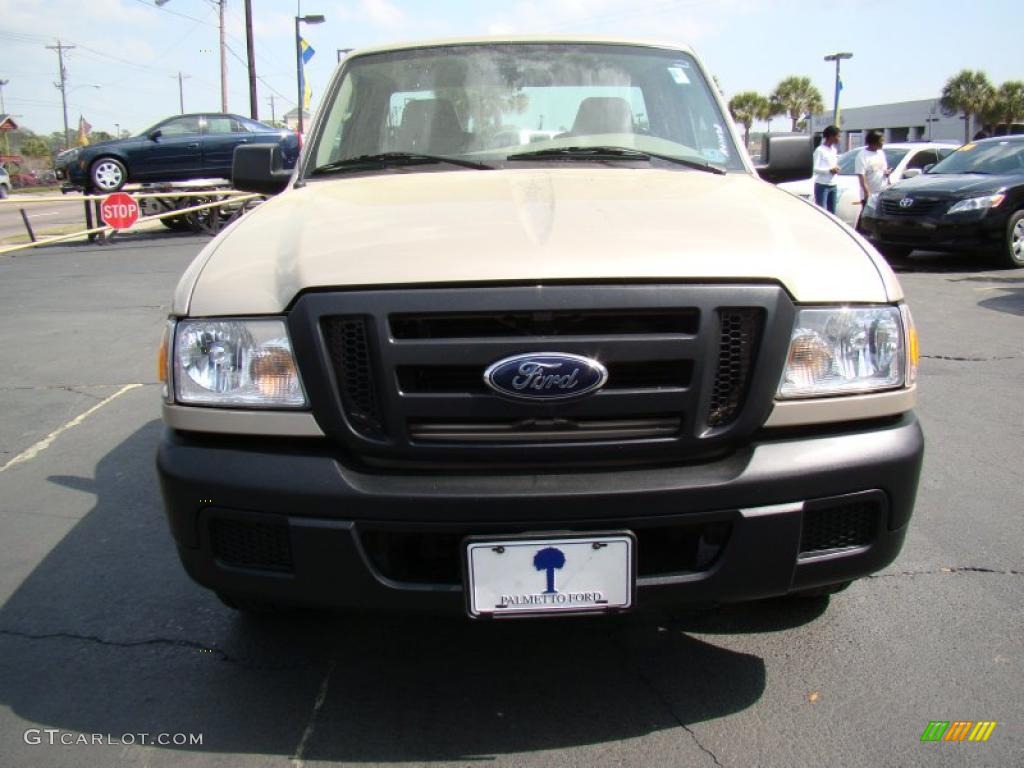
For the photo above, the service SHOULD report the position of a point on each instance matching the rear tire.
(176, 224)
(3, 192)
(108, 174)
(1012, 255)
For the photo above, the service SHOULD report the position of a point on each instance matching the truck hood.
(533, 225)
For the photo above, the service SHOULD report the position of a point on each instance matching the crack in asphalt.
(948, 569)
(165, 641)
(649, 684)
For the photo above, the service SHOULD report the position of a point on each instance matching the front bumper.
(960, 232)
(758, 501)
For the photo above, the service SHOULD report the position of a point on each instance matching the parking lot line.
(33, 451)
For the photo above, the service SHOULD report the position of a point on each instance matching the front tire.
(1013, 249)
(3, 192)
(108, 174)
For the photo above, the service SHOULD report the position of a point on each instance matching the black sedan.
(176, 149)
(971, 201)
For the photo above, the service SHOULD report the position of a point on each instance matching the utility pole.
(62, 85)
(837, 57)
(250, 52)
(181, 91)
(223, 61)
(273, 116)
(221, 4)
(3, 111)
(117, 130)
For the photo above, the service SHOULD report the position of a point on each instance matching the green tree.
(56, 141)
(746, 107)
(1007, 106)
(969, 92)
(796, 96)
(35, 146)
(97, 136)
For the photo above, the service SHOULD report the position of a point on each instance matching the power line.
(170, 11)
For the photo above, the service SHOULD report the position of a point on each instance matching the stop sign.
(119, 210)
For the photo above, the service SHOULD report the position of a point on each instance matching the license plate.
(579, 573)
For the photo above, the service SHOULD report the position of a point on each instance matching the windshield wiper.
(613, 153)
(386, 159)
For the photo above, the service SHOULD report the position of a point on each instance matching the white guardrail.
(217, 208)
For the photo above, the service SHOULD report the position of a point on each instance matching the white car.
(5, 183)
(906, 159)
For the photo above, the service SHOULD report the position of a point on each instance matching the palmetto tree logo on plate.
(549, 559)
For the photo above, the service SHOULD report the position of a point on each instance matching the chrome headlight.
(982, 203)
(846, 350)
(246, 363)
(69, 155)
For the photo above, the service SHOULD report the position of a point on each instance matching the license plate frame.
(623, 591)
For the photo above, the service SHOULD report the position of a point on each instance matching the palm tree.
(1008, 105)
(548, 559)
(746, 107)
(969, 92)
(796, 97)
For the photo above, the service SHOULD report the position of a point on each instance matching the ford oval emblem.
(545, 376)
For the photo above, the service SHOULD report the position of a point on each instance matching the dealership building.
(920, 120)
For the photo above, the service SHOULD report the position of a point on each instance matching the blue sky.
(133, 50)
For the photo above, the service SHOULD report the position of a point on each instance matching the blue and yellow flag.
(307, 54)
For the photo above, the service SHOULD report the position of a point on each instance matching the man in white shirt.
(826, 166)
(871, 167)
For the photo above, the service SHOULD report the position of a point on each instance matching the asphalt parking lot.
(101, 632)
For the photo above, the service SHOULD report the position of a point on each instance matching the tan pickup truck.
(526, 333)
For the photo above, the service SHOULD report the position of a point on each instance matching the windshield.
(989, 157)
(489, 102)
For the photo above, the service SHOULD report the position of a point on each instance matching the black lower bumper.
(780, 515)
(968, 232)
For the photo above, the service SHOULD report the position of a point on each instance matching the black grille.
(248, 544)
(837, 526)
(349, 348)
(920, 207)
(435, 557)
(407, 368)
(739, 333)
(470, 325)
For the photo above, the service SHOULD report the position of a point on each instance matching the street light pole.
(309, 19)
(837, 57)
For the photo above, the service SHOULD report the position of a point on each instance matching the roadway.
(43, 216)
(102, 633)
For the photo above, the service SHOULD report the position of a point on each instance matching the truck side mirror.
(785, 158)
(257, 168)
(154, 135)
(911, 173)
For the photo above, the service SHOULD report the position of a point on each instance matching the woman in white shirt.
(826, 166)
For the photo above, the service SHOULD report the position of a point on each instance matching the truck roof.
(493, 39)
